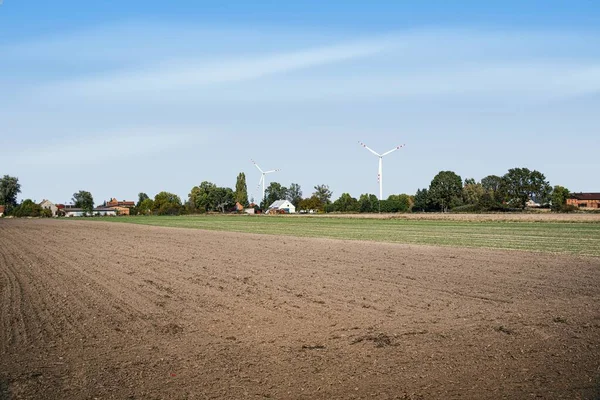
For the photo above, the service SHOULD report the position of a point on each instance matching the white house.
(48, 205)
(284, 206)
(78, 212)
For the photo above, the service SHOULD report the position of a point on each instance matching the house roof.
(279, 203)
(585, 196)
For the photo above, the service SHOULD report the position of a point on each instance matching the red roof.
(585, 196)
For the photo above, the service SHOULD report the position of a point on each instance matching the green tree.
(472, 192)
(224, 198)
(445, 190)
(275, 191)
(141, 197)
(294, 194)
(345, 203)
(202, 197)
(560, 195)
(241, 190)
(84, 200)
(28, 208)
(368, 203)
(166, 203)
(323, 193)
(421, 202)
(396, 203)
(146, 206)
(9, 189)
(310, 203)
(522, 184)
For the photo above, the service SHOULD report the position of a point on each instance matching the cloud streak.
(176, 75)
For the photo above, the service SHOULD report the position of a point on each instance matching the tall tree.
(166, 203)
(345, 203)
(368, 203)
(224, 198)
(560, 195)
(323, 193)
(275, 191)
(146, 206)
(241, 190)
(396, 203)
(422, 202)
(472, 192)
(445, 190)
(84, 200)
(523, 184)
(141, 197)
(9, 189)
(294, 194)
(311, 203)
(202, 197)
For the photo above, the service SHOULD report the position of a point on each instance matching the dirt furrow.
(124, 311)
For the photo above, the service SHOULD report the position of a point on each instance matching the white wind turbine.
(262, 177)
(380, 175)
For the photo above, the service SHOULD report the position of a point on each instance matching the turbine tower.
(380, 175)
(262, 178)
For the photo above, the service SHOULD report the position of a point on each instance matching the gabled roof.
(585, 196)
(279, 203)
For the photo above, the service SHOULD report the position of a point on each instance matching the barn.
(585, 200)
(282, 206)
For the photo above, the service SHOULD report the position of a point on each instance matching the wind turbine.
(380, 175)
(262, 177)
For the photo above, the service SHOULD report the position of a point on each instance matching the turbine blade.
(371, 150)
(393, 150)
(256, 165)
(273, 170)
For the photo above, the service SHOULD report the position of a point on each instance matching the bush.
(567, 208)
(27, 209)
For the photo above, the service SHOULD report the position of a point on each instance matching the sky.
(118, 98)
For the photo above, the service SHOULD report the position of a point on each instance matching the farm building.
(78, 212)
(121, 207)
(1, 211)
(48, 205)
(585, 200)
(282, 206)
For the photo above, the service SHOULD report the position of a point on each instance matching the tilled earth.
(103, 310)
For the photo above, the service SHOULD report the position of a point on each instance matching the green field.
(582, 238)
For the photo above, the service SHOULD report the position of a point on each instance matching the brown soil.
(100, 310)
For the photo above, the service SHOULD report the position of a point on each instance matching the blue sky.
(151, 96)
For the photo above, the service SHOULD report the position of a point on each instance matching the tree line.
(446, 192)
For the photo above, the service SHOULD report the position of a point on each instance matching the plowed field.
(116, 311)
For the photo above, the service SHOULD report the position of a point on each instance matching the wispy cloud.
(172, 75)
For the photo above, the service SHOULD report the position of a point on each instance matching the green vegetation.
(582, 238)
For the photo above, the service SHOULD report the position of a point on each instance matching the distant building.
(116, 203)
(282, 206)
(48, 205)
(239, 207)
(1, 211)
(79, 212)
(585, 200)
(532, 204)
(122, 207)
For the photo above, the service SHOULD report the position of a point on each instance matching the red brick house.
(1, 211)
(585, 200)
